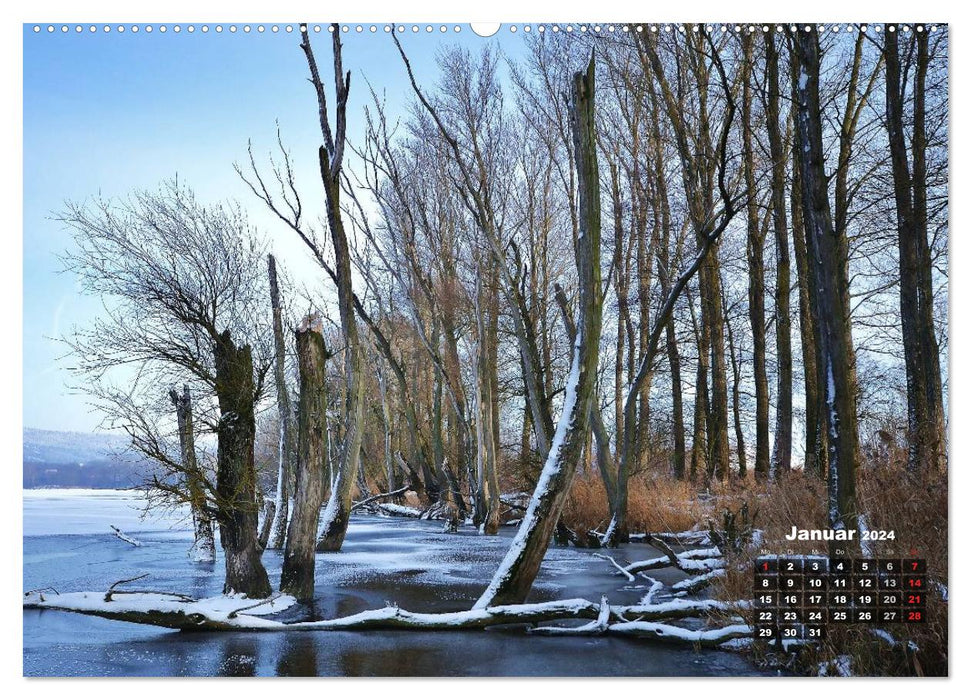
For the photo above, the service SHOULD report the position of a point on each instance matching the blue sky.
(108, 113)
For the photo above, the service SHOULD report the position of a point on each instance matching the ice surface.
(93, 511)
(385, 561)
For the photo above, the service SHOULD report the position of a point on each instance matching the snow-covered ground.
(68, 545)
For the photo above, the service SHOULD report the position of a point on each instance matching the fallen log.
(125, 538)
(400, 511)
(697, 583)
(390, 494)
(242, 614)
(697, 538)
(598, 626)
(669, 633)
(630, 576)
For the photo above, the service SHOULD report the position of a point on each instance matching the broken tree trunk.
(204, 545)
(269, 517)
(236, 470)
(330, 155)
(287, 443)
(297, 577)
(514, 578)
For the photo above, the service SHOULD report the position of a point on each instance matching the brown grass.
(662, 505)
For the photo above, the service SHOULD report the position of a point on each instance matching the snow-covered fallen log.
(696, 538)
(242, 614)
(381, 496)
(704, 553)
(598, 626)
(171, 610)
(680, 562)
(125, 538)
(394, 509)
(669, 633)
(621, 569)
(674, 609)
(225, 613)
(696, 583)
(694, 561)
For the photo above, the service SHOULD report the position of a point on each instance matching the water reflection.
(297, 657)
(239, 654)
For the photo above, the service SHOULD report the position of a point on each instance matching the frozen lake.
(68, 545)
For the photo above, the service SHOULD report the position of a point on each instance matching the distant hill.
(91, 460)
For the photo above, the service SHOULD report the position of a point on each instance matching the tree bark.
(392, 482)
(829, 276)
(287, 443)
(782, 444)
(204, 546)
(298, 559)
(236, 470)
(737, 403)
(755, 245)
(814, 461)
(486, 516)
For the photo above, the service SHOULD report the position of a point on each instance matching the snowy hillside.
(63, 459)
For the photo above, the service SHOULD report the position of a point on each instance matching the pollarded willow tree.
(183, 292)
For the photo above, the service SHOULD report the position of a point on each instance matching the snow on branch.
(244, 614)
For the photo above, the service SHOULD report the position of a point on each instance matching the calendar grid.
(800, 597)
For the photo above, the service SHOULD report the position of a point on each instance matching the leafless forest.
(631, 283)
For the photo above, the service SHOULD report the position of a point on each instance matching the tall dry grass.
(654, 505)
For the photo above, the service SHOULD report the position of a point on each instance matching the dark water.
(384, 561)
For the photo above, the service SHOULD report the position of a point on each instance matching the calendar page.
(446, 349)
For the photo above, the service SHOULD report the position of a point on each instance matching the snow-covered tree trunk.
(829, 276)
(204, 545)
(298, 559)
(514, 578)
(782, 442)
(287, 443)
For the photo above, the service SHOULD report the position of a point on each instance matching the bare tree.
(828, 274)
(181, 292)
(782, 442)
(925, 408)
